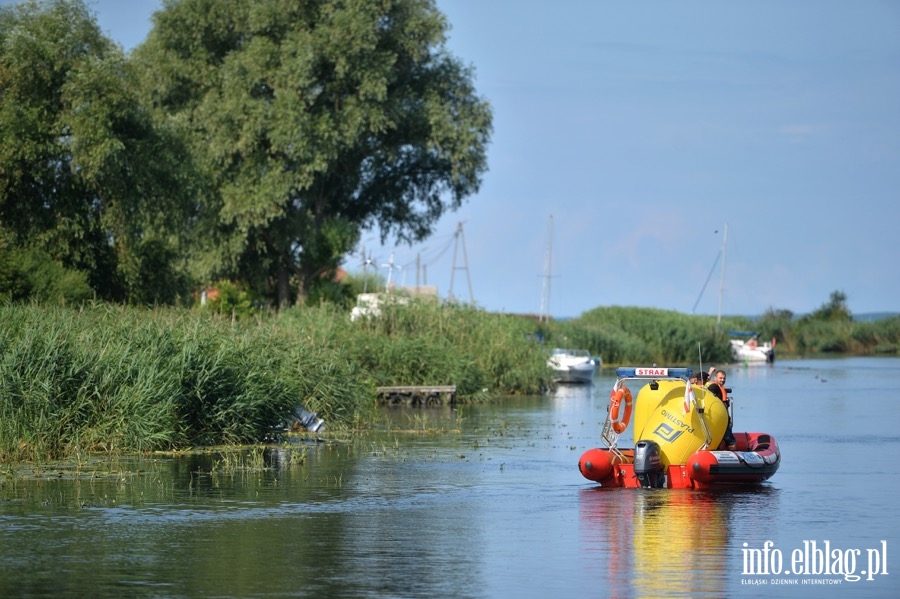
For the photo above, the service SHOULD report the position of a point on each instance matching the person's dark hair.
(705, 377)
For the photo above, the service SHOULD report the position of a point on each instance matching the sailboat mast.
(545, 294)
(722, 279)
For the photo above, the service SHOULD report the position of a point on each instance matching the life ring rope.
(616, 398)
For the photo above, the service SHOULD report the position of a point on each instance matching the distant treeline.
(641, 335)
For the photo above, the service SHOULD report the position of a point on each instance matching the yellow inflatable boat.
(678, 432)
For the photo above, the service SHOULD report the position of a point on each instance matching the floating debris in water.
(309, 420)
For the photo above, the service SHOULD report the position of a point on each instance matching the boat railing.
(611, 438)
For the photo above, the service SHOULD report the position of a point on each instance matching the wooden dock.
(417, 395)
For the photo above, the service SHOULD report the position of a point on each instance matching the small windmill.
(391, 265)
(366, 263)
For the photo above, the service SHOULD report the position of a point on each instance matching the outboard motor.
(647, 465)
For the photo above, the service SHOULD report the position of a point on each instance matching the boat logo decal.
(678, 422)
(651, 372)
(666, 432)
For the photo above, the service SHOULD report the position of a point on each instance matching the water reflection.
(476, 501)
(665, 543)
(573, 391)
(676, 533)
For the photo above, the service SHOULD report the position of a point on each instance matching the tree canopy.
(86, 179)
(246, 141)
(313, 121)
(835, 309)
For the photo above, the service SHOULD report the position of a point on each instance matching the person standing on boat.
(717, 387)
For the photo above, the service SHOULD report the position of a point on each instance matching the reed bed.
(123, 380)
(426, 343)
(116, 379)
(643, 336)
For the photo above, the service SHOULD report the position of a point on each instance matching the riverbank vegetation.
(106, 378)
(121, 379)
(644, 335)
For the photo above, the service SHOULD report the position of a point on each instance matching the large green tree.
(316, 120)
(86, 178)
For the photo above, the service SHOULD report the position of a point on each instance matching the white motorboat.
(572, 365)
(750, 349)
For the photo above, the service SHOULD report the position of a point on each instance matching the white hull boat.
(752, 350)
(572, 365)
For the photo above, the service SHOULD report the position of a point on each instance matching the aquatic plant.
(117, 379)
(112, 379)
(642, 335)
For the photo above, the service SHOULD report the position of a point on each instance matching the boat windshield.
(580, 353)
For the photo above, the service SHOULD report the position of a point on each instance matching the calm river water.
(492, 507)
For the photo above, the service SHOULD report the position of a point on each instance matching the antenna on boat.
(700, 354)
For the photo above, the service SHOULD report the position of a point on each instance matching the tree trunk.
(284, 286)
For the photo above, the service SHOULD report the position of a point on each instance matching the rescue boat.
(679, 431)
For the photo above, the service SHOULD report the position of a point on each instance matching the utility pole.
(461, 236)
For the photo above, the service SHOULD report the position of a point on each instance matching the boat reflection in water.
(659, 543)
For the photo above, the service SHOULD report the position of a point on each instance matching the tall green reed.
(644, 335)
(123, 379)
(118, 379)
(427, 343)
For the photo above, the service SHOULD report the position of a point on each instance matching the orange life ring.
(615, 400)
(752, 344)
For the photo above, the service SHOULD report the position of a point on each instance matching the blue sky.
(643, 129)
